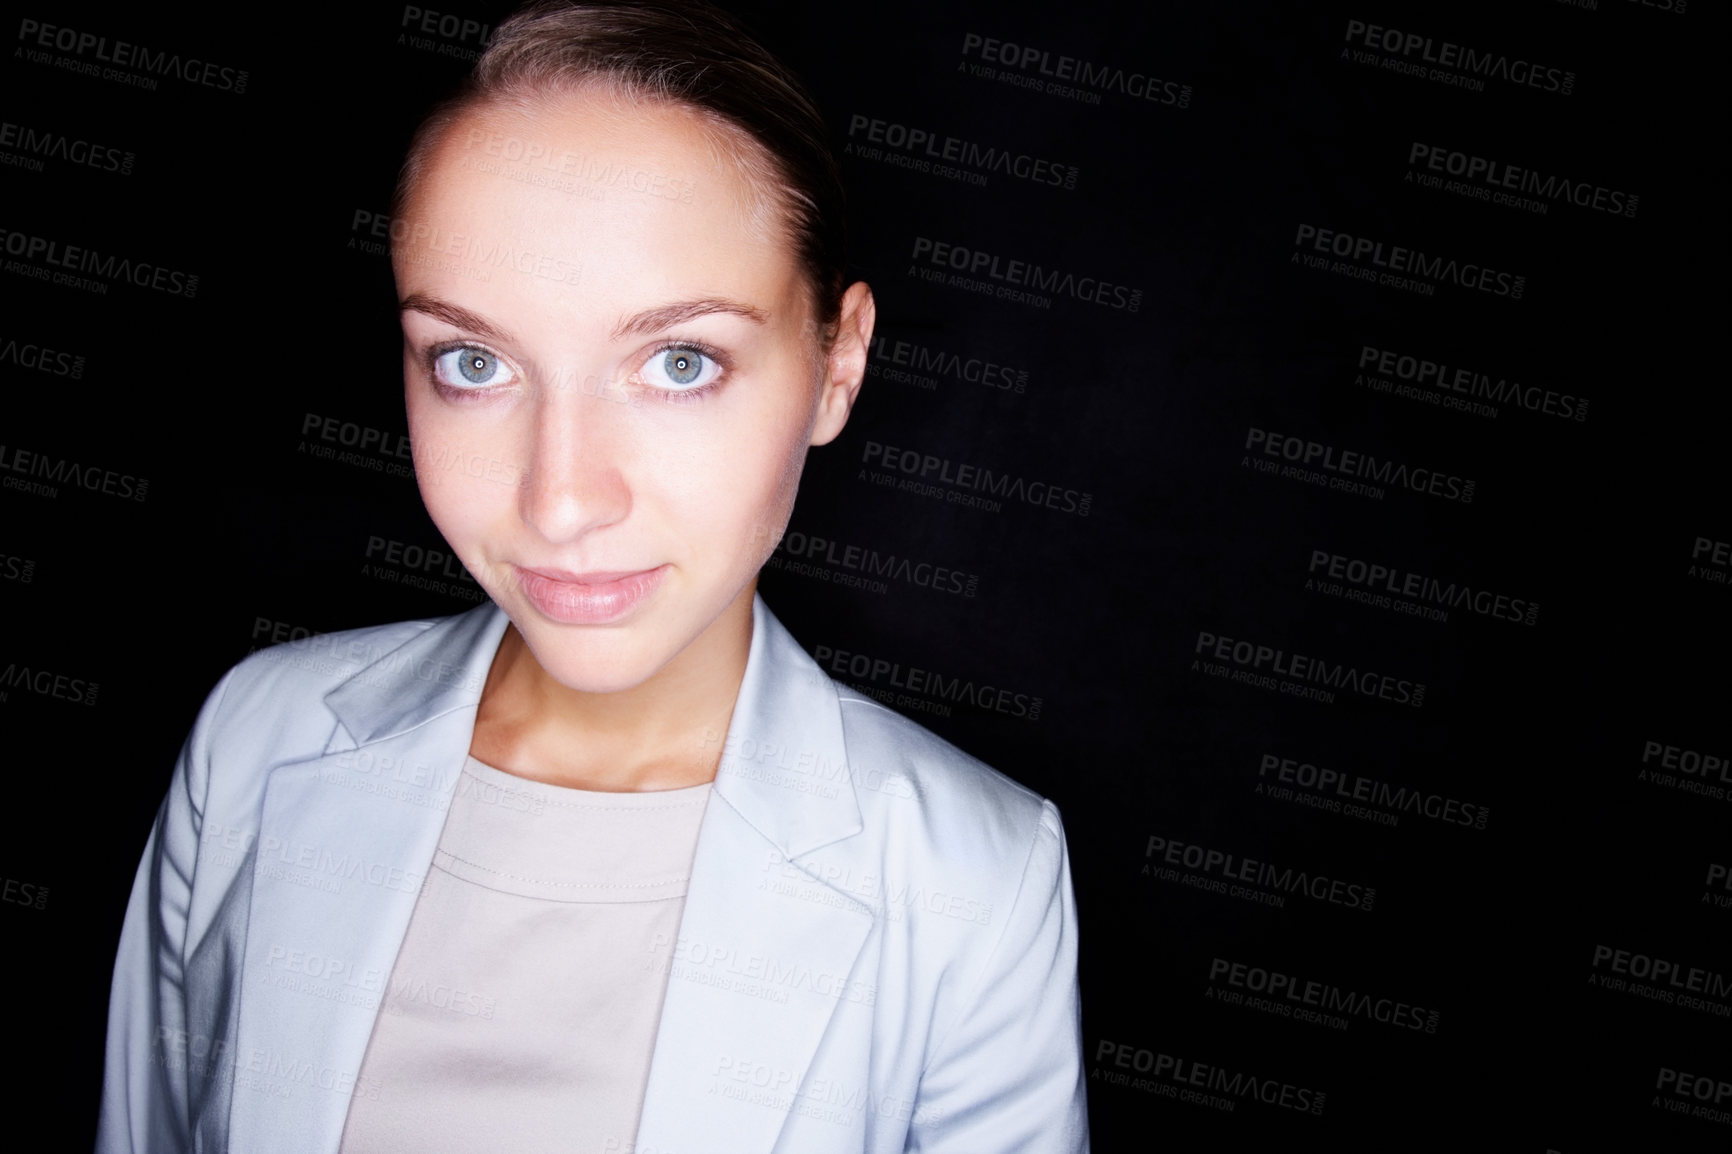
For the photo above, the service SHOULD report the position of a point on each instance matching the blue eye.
(471, 367)
(681, 369)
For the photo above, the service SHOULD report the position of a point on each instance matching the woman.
(606, 864)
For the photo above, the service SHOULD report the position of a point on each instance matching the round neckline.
(625, 799)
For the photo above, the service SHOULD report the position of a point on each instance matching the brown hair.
(685, 53)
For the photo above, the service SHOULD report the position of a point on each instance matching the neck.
(665, 733)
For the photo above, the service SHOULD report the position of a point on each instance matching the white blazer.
(877, 951)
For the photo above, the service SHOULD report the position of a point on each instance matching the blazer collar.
(337, 872)
(441, 668)
(783, 764)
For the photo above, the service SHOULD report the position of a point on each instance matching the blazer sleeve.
(1007, 1076)
(149, 1055)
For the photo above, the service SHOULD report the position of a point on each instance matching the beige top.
(522, 1008)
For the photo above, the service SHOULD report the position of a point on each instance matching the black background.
(1098, 616)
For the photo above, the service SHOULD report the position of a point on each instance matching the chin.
(592, 659)
(596, 677)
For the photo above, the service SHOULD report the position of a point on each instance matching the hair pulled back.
(690, 54)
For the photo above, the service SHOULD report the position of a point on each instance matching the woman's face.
(611, 374)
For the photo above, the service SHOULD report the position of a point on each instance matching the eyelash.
(432, 368)
(689, 396)
(670, 396)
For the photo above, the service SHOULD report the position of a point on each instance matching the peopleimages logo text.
(122, 54)
(1363, 466)
(1101, 77)
(1409, 262)
(930, 469)
(65, 471)
(1459, 58)
(1325, 996)
(1473, 386)
(77, 258)
(1434, 591)
(1232, 867)
(58, 146)
(987, 158)
(1275, 662)
(1512, 178)
(1026, 274)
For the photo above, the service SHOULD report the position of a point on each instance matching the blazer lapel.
(345, 840)
(765, 947)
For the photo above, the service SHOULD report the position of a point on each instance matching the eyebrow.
(654, 320)
(648, 321)
(454, 315)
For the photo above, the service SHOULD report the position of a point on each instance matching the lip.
(599, 597)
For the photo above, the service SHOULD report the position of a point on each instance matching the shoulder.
(962, 864)
(310, 667)
(916, 796)
(275, 699)
(884, 742)
(946, 805)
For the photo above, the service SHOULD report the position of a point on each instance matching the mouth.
(597, 597)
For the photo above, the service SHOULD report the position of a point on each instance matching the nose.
(574, 474)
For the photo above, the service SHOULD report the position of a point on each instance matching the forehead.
(593, 194)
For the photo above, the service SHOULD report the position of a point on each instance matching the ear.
(845, 367)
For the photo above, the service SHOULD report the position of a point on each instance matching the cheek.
(463, 482)
(737, 484)
(779, 460)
